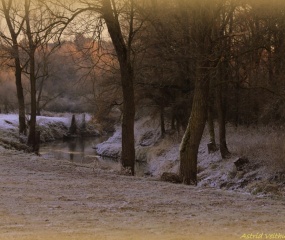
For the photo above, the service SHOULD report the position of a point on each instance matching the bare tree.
(40, 29)
(11, 10)
(122, 27)
(123, 47)
(202, 25)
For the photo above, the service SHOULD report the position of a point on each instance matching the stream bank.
(158, 155)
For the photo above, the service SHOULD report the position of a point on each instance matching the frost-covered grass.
(161, 155)
(264, 144)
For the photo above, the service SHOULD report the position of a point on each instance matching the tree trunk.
(237, 103)
(212, 146)
(18, 70)
(192, 137)
(39, 98)
(173, 121)
(123, 51)
(73, 126)
(20, 96)
(32, 141)
(128, 144)
(32, 138)
(221, 109)
(162, 123)
(210, 120)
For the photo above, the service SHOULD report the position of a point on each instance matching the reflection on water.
(81, 150)
(78, 150)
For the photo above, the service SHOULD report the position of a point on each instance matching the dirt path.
(50, 199)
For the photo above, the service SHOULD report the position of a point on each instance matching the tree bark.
(39, 97)
(32, 141)
(192, 137)
(123, 51)
(128, 144)
(18, 69)
(20, 94)
(212, 146)
(210, 120)
(221, 109)
(32, 138)
(162, 122)
(73, 126)
(222, 131)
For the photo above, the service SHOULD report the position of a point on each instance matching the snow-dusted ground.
(51, 127)
(55, 199)
(41, 120)
(11, 118)
(162, 155)
(49, 199)
(150, 147)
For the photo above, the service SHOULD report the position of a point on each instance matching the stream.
(81, 151)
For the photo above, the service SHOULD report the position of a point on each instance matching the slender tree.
(123, 46)
(202, 30)
(15, 24)
(40, 29)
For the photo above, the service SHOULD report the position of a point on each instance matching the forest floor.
(46, 199)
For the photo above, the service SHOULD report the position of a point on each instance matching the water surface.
(78, 150)
(81, 151)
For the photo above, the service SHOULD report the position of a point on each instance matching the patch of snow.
(13, 118)
(160, 155)
(164, 157)
(147, 131)
(43, 120)
(51, 127)
(112, 147)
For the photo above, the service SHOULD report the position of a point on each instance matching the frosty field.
(43, 199)
(55, 199)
